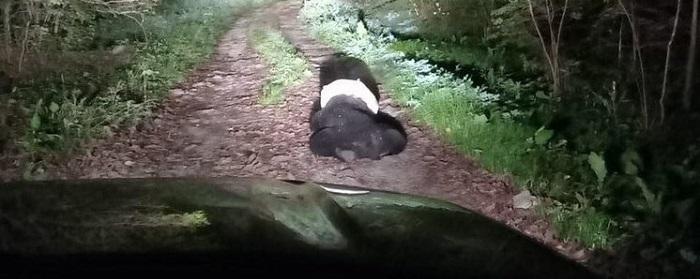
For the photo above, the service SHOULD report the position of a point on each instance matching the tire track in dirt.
(211, 125)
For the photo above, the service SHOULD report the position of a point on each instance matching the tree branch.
(544, 45)
(691, 58)
(662, 108)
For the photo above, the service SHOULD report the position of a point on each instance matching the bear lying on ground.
(346, 122)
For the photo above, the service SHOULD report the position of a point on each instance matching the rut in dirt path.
(213, 126)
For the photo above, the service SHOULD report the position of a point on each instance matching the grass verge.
(286, 67)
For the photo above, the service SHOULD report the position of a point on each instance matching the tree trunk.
(255, 225)
(690, 69)
(667, 63)
(6, 11)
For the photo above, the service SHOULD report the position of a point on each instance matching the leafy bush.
(605, 153)
(55, 126)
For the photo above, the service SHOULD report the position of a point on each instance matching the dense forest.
(589, 105)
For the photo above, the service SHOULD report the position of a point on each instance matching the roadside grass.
(286, 67)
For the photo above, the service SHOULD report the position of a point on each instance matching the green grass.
(457, 110)
(286, 66)
(588, 225)
(464, 53)
(183, 35)
(500, 146)
(57, 126)
(59, 112)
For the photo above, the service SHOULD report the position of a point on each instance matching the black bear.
(345, 119)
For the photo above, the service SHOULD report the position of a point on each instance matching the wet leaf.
(36, 121)
(54, 107)
(542, 136)
(631, 162)
(597, 163)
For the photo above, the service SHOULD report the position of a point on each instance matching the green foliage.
(601, 113)
(500, 145)
(480, 124)
(438, 19)
(61, 126)
(586, 225)
(542, 136)
(598, 165)
(510, 26)
(464, 51)
(72, 106)
(631, 162)
(286, 66)
(504, 72)
(601, 156)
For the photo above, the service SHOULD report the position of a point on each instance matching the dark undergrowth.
(609, 175)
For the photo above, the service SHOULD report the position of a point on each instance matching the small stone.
(217, 79)
(346, 155)
(291, 177)
(524, 200)
(129, 163)
(248, 168)
(279, 159)
(548, 236)
(118, 49)
(395, 114)
(178, 92)
(190, 147)
(146, 125)
(207, 111)
(251, 158)
(403, 156)
(579, 255)
(490, 208)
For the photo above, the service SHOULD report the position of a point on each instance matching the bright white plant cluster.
(336, 23)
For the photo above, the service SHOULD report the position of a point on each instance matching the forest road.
(212, 125)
